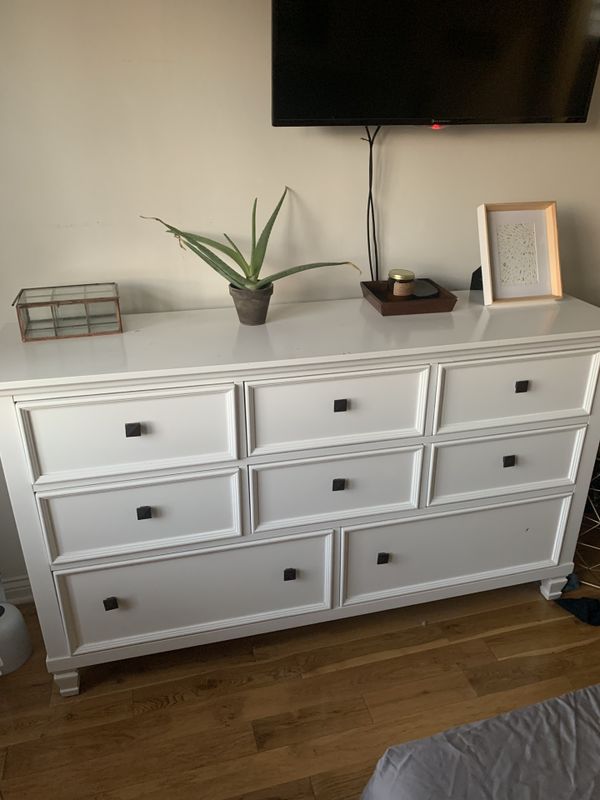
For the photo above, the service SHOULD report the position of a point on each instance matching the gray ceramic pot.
(251, 304)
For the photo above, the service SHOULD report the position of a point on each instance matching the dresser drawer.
(507, 391)
(319, 489)
(194, 592)
(496, 465)
(396, 558)
(296, 413)
(134, 516)
(112, 434)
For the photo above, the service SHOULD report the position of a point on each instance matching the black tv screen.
(414, 62)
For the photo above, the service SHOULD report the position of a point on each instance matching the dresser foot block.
(551, 588)
(67, 682)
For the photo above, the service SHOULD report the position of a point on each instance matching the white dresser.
(195, 480)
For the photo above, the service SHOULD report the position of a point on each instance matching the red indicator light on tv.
(437, 127)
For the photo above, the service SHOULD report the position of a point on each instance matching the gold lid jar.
(401, 275)
(401, 282)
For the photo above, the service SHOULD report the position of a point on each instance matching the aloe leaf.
(253, 228)
(259, 250)
(194, 243)
(234, 254)
(301, 268)
(240, 260)
(214, 261)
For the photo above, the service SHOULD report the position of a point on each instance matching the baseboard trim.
(17, 590)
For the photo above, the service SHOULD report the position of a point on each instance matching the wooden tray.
(377, 294)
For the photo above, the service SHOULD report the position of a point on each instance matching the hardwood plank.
(367, 650)
(527, 669)
(315, 689)
(133, 673)
(2, 761)
(334, 752)
(501, 620)
(109, 740)
(24, 727)
(89, 712)
(406, 698)
(217, 682)
(297, 790)
(98, 764)
(310, 722)
(555, 636)
(220, 781)
(24, 698)
(427, 723)
(499, 676)
(280, 643)
(344, 784)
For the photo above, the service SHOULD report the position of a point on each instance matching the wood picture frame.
(520, 261)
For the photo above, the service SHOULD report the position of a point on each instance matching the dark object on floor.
(549, 750)
(573, 583)
(587, 609)
(476, 280)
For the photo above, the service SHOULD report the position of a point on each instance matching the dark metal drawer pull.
(521, 386)
(340, 405)
(289, 574)
(509, 461)
(133, 429)
(144, 512)
(383, 558)
(110, 603)
(338, 485)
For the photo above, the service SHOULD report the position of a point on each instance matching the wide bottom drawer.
(395, 558)
(132, 602)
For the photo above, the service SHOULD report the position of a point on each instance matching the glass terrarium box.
(60, 312)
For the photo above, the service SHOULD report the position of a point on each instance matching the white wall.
(117, 108)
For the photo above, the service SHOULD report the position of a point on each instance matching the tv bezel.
(280, 122)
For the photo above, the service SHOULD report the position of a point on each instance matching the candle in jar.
(401, 282)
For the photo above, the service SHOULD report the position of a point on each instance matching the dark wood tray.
(377, 294)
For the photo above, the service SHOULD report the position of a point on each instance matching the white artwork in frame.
(519, 252)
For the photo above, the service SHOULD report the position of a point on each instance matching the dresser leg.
(551, 588)
(67, 682)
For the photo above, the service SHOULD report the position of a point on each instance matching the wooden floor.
(295, 715)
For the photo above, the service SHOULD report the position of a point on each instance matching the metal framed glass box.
(60, 312)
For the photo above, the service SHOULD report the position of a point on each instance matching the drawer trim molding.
(423, 370)
(481, 494)
(310, 519)
(27, 435)
(415, 589)
(57, 560)
(69, 627)
(547, 416)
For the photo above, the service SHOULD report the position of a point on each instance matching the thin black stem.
(372, 244)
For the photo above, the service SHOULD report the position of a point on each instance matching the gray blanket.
(549, 751)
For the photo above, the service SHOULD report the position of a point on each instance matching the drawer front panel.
(435, 550)
(498, 465)
(297, 413)
(194, 592)
(318, 489)
(118, 518)
(509, 391)
(117, 433)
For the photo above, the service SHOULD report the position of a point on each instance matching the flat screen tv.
(421, 62)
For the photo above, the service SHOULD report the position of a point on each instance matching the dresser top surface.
(338, 331)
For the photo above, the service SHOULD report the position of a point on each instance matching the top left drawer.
(81, 437)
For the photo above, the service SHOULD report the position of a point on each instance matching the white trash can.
(15, 643)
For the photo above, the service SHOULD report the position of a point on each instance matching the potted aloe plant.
(250, 292)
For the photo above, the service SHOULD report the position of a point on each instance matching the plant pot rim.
(265, 289)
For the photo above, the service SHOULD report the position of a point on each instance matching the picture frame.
(520, 261)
